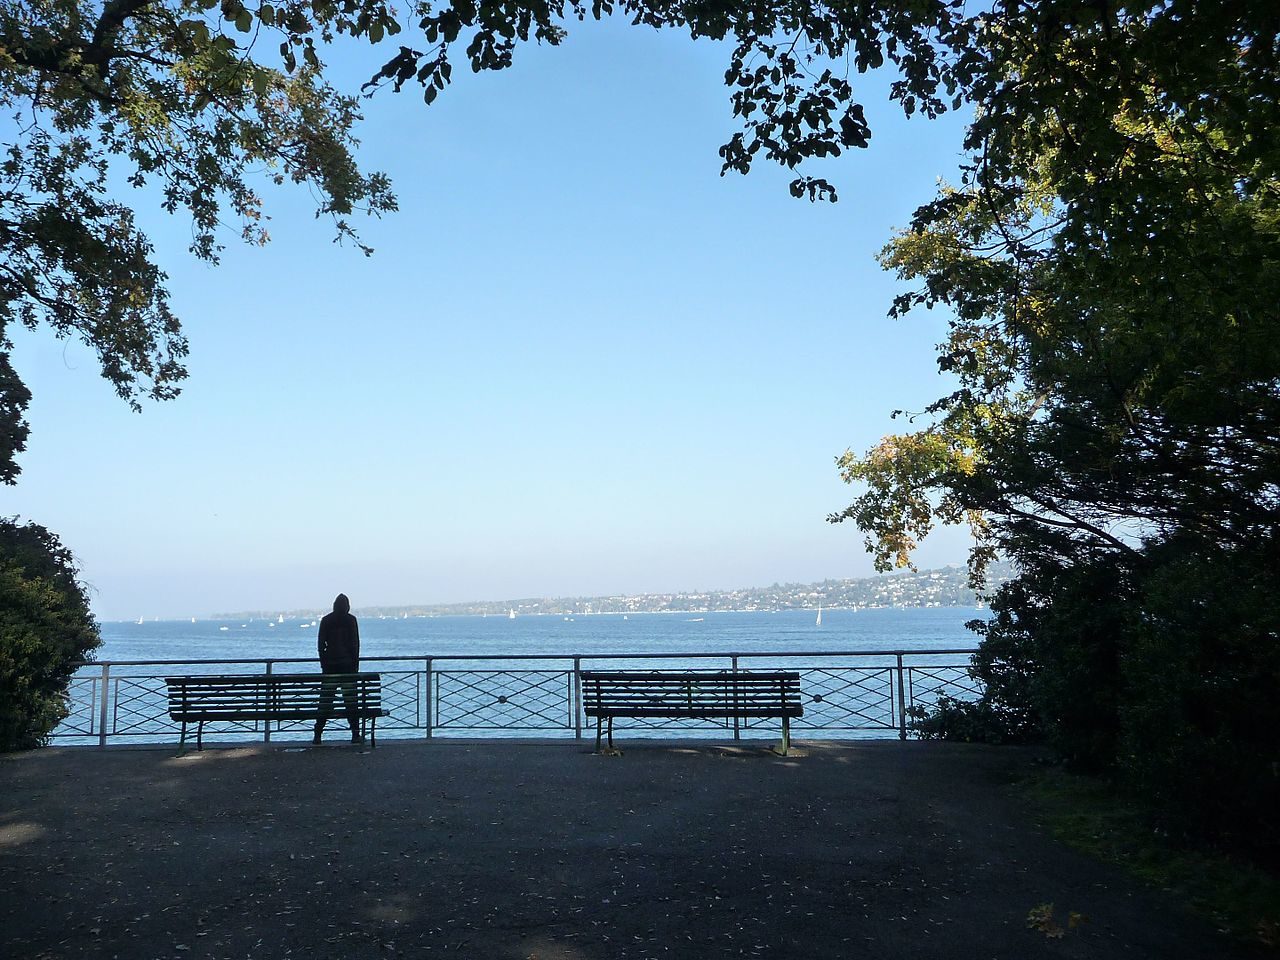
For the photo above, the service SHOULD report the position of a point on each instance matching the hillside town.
(945, 587)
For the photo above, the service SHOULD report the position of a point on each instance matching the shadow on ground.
(515, 851)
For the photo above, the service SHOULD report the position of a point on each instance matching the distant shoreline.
(316, 614)
(942, 587)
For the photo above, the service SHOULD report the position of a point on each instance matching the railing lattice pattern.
(844, 695)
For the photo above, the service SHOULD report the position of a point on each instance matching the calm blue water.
(481, 694)
(788, 631)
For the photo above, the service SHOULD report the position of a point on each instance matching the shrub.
(968, 722)
(45, 627)
(1198, 730)
(1161, 671)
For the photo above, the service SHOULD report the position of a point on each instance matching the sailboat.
(281, 620)
(139, 620)
(511, 614)
(818, 622)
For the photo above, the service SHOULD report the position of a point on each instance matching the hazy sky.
(580, 361)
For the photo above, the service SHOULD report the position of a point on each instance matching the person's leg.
(326, 707)
(350, 704)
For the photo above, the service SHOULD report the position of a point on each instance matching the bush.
(1047, 667)
(968, 722)
(1198, 732)
(1161, 671)
(45, 628)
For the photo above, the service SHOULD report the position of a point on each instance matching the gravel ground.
(546, 850)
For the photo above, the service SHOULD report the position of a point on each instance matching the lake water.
(787, 631)
(494, 676)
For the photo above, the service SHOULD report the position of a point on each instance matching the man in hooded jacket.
(339, 645)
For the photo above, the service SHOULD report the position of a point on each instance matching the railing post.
(737, 732)
(93, 703)
(902, 703)
(102, 716)
(577, 698)
(428, 693)
(266, 721)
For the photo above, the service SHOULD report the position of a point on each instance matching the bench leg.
(611, 731)
(599, 722)
(786, 735)
(373, 732)
(200, 736)
(182, 740)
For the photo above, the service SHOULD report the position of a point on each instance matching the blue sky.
(579, 362)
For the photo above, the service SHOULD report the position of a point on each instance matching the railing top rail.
(677, 655)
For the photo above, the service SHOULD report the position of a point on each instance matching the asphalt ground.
(518, 850)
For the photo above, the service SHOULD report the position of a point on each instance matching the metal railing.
(846, 694)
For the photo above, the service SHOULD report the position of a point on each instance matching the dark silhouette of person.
(339, 645)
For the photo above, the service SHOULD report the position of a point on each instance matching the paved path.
(512, 851)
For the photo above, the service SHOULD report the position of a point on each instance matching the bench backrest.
(270, 696)
(691, 693)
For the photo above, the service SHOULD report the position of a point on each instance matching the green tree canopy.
(167, 95)
(1110, 267)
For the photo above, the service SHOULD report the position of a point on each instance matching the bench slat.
(666, 693)
(672, 677)
(691, 694)
(273, 696)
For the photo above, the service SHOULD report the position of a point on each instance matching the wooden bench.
(691, 694)
(279, 696)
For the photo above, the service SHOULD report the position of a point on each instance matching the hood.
(342, 604)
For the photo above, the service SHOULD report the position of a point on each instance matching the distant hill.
(945, 587)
